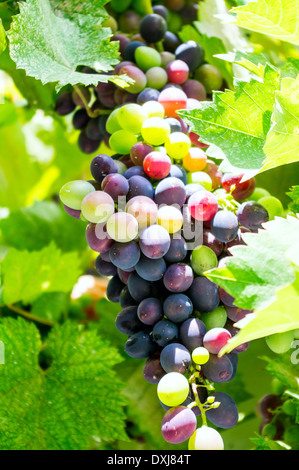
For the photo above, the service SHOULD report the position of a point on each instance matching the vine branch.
(29, 316)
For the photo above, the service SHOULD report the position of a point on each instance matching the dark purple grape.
(192, 332)
(190, 13)
(105, 256)
(101, 166)
(129, 52)
(134, 171)
(93, 130)
(226, 416)
(191, 53)
(125, 298)
(234, 331)
(175, 126)
(150, 311)
(138, 153)
(137, 75)
(178, 277)
(140, 346)
(161, 10)
(129, 21)
(175, 358)
(72, 212)
(195, 90)
(153, 371)
(204, 295)
(178, 425)
(154, 241)
(124, 275)
(80, 119)
(105, 268)
(153, 28)
(77, 98)
(171, 42)
(97, 238)
(87, 145)
(151, 269)
(115, 185)
(139, 288)
(165, 332)
(64, 104)
(127, 321)
(148, 94)
(123, 41)
(236, 314)
(125, 255)
(178, 172)
(211, 241)
(225, 226)
(178, 308)
(226, 298)
(252, 215)
(268, 405)
(219, 369)
(202, 395)
(140, 186)
(177, 250)
(114, 288)
(170, 191)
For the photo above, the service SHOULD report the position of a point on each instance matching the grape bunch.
(160, 214)
(157, 62)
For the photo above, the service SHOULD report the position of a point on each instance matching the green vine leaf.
(277, 19)
(294, 195)
(72, 403)
(65, 39)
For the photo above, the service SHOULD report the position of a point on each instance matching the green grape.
(178, 145)
(200, 356)
(97, 207)
(215, 319)
(273, 206)
(258, 194)
(154, 109)
(121, 167)
(206, 438)
(269, 430)
(138, 6)
(112, 124)
(280, 342)
(119, 6)
(166, 58)
(156, 78)
(122, 142)
(170, 218)
(201, 178)
(289, 407)
(277, 386)
(155, 131)
(111, 23)
(122, 227)
(147, 57)
(203, 259)
(173, 389)
(73, 193)
(174, 22)
(210, 77)
(131, 117)
(296, 333)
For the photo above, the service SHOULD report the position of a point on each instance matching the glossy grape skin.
(234, 331)
(76, 214)
(215, 339)
(170, 191)
(177, 308)
(131, 116)
(155, 131)
(125, 299)
(101, 166)
(151, 269)
(203, 206)
(226, 298)
(178, 425)
(225, 226)
(144, 210)
(226, 416)
(236, 314)
(211, 241)
(177, 72)
(157, 165)
(195, 90)
(139, 151)
(105, 268)
(127, 321)
(215, 319)
(177, 250)
(147, 57)
(252, 215)
(115, 185)
(80, 119)
(204, 295)
(139, 288)
(173, 389)
(192, 332)
(125, 255)
(171, 42)
(200, 355)
(140, 346)
(124, 275)
(206, 438)
(150, 311)
(122, 141)
(175, 358)
(97, 238)
(97, 207)
(191, 53)
(203, 259)
(148, 94)
(137, 75)
(154, 241)
(161, 10)
(165, 332)
(65, 104)
(178, 277)
(87, 145)
(280, 342)
(129, 54)
(219, 369)
(73, 193)
(153, 371)
(156, 78)
(176, 171)
(177, 145)
(173, 100)
(140, 186)
(114, 288)
(153, 28)
(134, 171)
(242, 190)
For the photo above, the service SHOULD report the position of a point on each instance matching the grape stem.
(92, 114)
(29, 316)
(192, 381)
